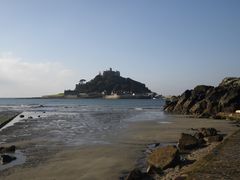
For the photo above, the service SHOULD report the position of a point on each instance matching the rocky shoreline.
(221, 102)
(171, 162)
(175, 161)
(208, 101)
(221, 163)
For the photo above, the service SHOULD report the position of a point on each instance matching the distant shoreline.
(75, 98)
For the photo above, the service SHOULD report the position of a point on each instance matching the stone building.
(110, 72)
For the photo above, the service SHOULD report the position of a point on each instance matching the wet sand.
(112, 160)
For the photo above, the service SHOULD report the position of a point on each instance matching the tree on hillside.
(82, 81)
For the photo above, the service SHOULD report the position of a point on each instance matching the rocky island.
(110, 85)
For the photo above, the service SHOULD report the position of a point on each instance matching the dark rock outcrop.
(200, 138)
(208, 132)
(216, 138)
(206, 101)
(164, 157)
(199, 135)
(188, 142)
(7, 159)
(10, 149)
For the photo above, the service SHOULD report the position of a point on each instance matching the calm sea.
(75, 121)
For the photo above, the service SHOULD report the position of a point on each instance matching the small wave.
(165, 122)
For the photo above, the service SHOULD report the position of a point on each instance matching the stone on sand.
(164, 157)
(216, 138)
(188, 142)
(7, 159)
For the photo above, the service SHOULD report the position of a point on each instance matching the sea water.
(73, 122)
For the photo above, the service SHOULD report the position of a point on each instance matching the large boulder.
(198, 135)
(213, 99)
(170, 103)
(216, 138)
(182, 99)
(208, 132)
(169, 107)
(199, 107)
(164, 157)
(230, 101)
(200, 92)
(187, 105)
(188, 142)
(190, 97)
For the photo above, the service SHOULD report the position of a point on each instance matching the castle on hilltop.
(110, 72)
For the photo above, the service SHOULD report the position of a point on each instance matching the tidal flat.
(110, 160)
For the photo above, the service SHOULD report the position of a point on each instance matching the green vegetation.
(3, 119)
(59, 95)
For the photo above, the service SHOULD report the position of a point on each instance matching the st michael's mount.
(110, 85)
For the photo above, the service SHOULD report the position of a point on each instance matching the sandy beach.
(110, 161)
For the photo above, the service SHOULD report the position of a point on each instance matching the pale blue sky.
(169, 45)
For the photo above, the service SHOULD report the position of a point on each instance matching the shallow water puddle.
(21, 159)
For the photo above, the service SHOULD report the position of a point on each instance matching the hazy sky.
(46, 46)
